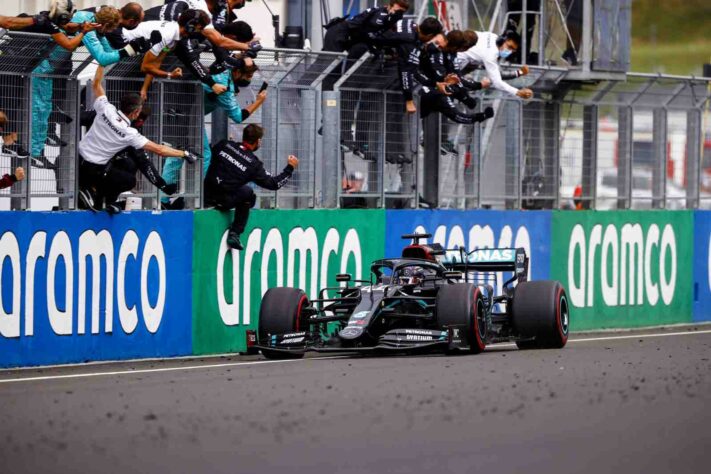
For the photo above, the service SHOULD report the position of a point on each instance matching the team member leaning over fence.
(52, 23)
(408, 39)
(189, 49)
(239, 77)
(111, 133)
(486, 53)
(132, 15)
(108, 19)
(440, 83)
(357, 35)
(191, 24)
(472, 40)
(233, 166)
(185, 36)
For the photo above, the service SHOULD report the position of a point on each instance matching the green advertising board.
(624, 268)
(298, 248)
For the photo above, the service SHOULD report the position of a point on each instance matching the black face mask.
(242, 82)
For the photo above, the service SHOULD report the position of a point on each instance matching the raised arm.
(96, 84)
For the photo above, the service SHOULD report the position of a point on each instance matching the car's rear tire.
(281, 312)
(541, 315)
(462, 304)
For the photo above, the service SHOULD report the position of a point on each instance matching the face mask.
(242, 83)
(505, 53)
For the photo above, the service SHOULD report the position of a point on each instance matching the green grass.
(671, 58)
(671, 36)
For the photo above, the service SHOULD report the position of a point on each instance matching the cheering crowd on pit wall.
(431, 62)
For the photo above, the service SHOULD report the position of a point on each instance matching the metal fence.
(641, 143)
(39, 91)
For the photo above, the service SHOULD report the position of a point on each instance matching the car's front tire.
(462, 304)
(281, 312)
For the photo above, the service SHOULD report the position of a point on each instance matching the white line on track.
(262, 362)
(163, 369)
(637, 336)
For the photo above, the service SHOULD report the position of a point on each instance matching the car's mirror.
(453, 275)
(341, 277)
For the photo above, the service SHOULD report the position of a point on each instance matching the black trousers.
(118, 176)
(241, 199)
(434, 101)
(106, 181)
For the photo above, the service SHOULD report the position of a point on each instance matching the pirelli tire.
(281, 312)
(462, 304)
(541, 315)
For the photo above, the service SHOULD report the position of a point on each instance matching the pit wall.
(78, 287)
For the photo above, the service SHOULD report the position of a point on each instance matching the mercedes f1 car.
(430, 299)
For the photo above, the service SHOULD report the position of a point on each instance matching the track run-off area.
(636, 401)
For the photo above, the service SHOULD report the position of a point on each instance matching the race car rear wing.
(488, 260)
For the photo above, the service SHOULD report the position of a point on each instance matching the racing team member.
(441, 83)
(188, 47)
(108, 19)
(486, 52)
(52, 23)
(132, 15)
(129, 161)
(192, 24)
(111, 133)
(233, 167)
(356, 35)
(238, 77)
(409, 39)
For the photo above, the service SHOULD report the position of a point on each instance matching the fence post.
(624, 163)
(589, 175)
(382, 152)
(694, 137)
(331, 148)
(514, 153)
(551, 149)
(26, 201)
(305, 136)
(432, 136)
(659, 158)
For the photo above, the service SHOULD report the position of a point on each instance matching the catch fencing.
(639, 143)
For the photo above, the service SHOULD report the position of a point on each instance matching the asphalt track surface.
(626, 402)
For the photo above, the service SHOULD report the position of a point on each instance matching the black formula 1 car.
(428, 300)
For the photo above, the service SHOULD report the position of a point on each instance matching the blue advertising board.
(78, 286)
(476, 229)
(701, 303)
